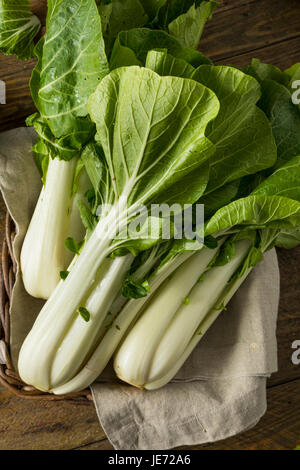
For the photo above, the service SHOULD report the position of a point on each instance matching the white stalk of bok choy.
(153, 137)
(257, 221)
(71, 62)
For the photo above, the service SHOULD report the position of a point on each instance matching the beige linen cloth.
(221, 389)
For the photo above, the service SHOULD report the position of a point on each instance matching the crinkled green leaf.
(65, 147)
(262, 71)
(188, 27)
(241, 132)
(124, 15)
(72, 62)
(152, 133)
(166, 65)
(284, 116)
(131, 48)
(288, 238)
(283, 182)
(220, 197)
(258, 212)
(18, 28)
(97, 170)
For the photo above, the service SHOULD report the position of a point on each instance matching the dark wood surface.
(239, 30)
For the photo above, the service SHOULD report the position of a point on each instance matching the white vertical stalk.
(205, 297)
(43, 253)
(39, 348)
(79, 340)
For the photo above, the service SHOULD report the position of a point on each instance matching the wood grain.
(41, 425)
(250, 27)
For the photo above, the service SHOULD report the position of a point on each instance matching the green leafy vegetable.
(18, 28)
(188, 27)
(73, 43)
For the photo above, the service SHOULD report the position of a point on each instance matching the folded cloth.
(220, 390)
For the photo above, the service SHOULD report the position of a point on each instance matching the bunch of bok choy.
(80, 341)
(130, 114)
(72, 59)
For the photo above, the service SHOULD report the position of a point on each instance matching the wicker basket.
(8, 376)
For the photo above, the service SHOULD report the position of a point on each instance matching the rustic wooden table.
(240, 30)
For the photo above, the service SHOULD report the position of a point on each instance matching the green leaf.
(72, 64)
(152, 134)
(256, 212)
(188, 27)
(152, 7)
(284, 116)
(283, 182)
(64, 274)
(124, 15)
(85, 314)
(254, 257)
(18, 28)
(262, 72)
(65, 147)
(166, 65)
(72, 245)
(88, 218)
(226, 253)
(172, 9)
(135, 290)
(241, 132)
(97, 170)
(219, 198)
(288, 238)
(131, 48)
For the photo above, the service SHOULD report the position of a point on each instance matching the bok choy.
(244, 93)
(168, 331)
(153, 137)
(71, 62)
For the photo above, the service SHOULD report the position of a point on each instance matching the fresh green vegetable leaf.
(241, 132)
(18, 28)
(131, 48)
(73, 245)
(134, 290)
(284, 116)
(72, 63)
(84, 313)
(262, 72)
(159, 128)
(283, 182)
(89, 220)
(64, 274)
(166, 65)
(65, 147)
(257, 211)
(288, 238)
(188, 27)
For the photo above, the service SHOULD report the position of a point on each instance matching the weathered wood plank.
(41, 425)
(283, 55)
(250, 27)
(279, 429)
(288, 326)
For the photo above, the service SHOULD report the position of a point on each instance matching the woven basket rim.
(9, 377)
